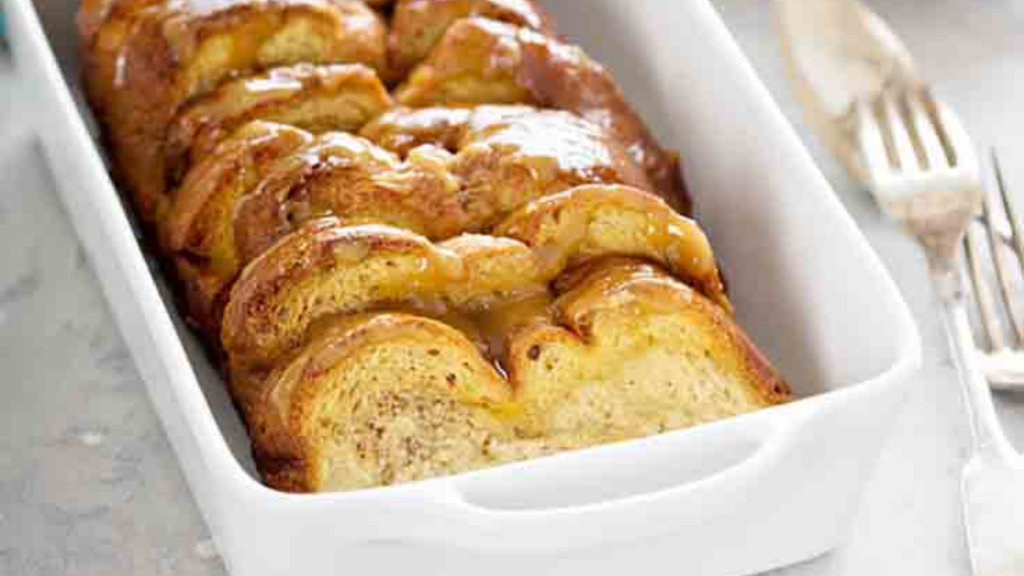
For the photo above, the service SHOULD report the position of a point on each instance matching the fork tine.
(957, 142)
(989, 321)
(1002, 272)
(926, 131)
(899, 133)
(872, 143)
(1009, 205)
(1018, 240)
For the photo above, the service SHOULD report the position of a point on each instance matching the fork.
(1003, 365)
(923, 170)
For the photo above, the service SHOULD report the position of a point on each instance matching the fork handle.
(989, 440)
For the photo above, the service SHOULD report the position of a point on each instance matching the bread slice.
(633, 352)
(506, 156)
(317, 98)
(149, 58)
(417, 25)
(349, 177)
(588, 222)
(197, 235)
(481, 61)
(380, 399)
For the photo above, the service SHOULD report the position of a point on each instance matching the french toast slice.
(148, 58)
(591, 221)
(379, 399)
(349, 177)
(633, 351)
(317, 98)
(197, 235)
(417, 25)
(483, 61)
(506, 156)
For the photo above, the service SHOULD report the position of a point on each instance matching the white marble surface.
(88, 484)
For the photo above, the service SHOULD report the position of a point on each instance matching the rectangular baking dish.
(739, 496)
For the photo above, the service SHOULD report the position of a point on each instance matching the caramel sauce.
(669, 239)
(562, 141)
(487, 326)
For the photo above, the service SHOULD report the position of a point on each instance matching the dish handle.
(631, 491)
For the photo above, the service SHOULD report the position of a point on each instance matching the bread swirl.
(482, 274)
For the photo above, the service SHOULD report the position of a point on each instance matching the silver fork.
(923, 170)
(1003, 364)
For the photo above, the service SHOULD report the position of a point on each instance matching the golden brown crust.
(485, 61)
(197, 235)
(316, 98)
(149, 58)
(417, 25)
(589, 221)
(506, 156)
(349, 177)
(259, 324)
(403, 129)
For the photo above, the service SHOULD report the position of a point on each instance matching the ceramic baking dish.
(734, 497)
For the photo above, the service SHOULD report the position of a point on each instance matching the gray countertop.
(88, 482)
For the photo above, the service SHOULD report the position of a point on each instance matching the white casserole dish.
(734, 497)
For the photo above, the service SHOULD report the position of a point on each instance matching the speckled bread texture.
(333, 421)
(149, 57)
(491, 264)
(633, 351)
(317, 98)
(480, 60)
